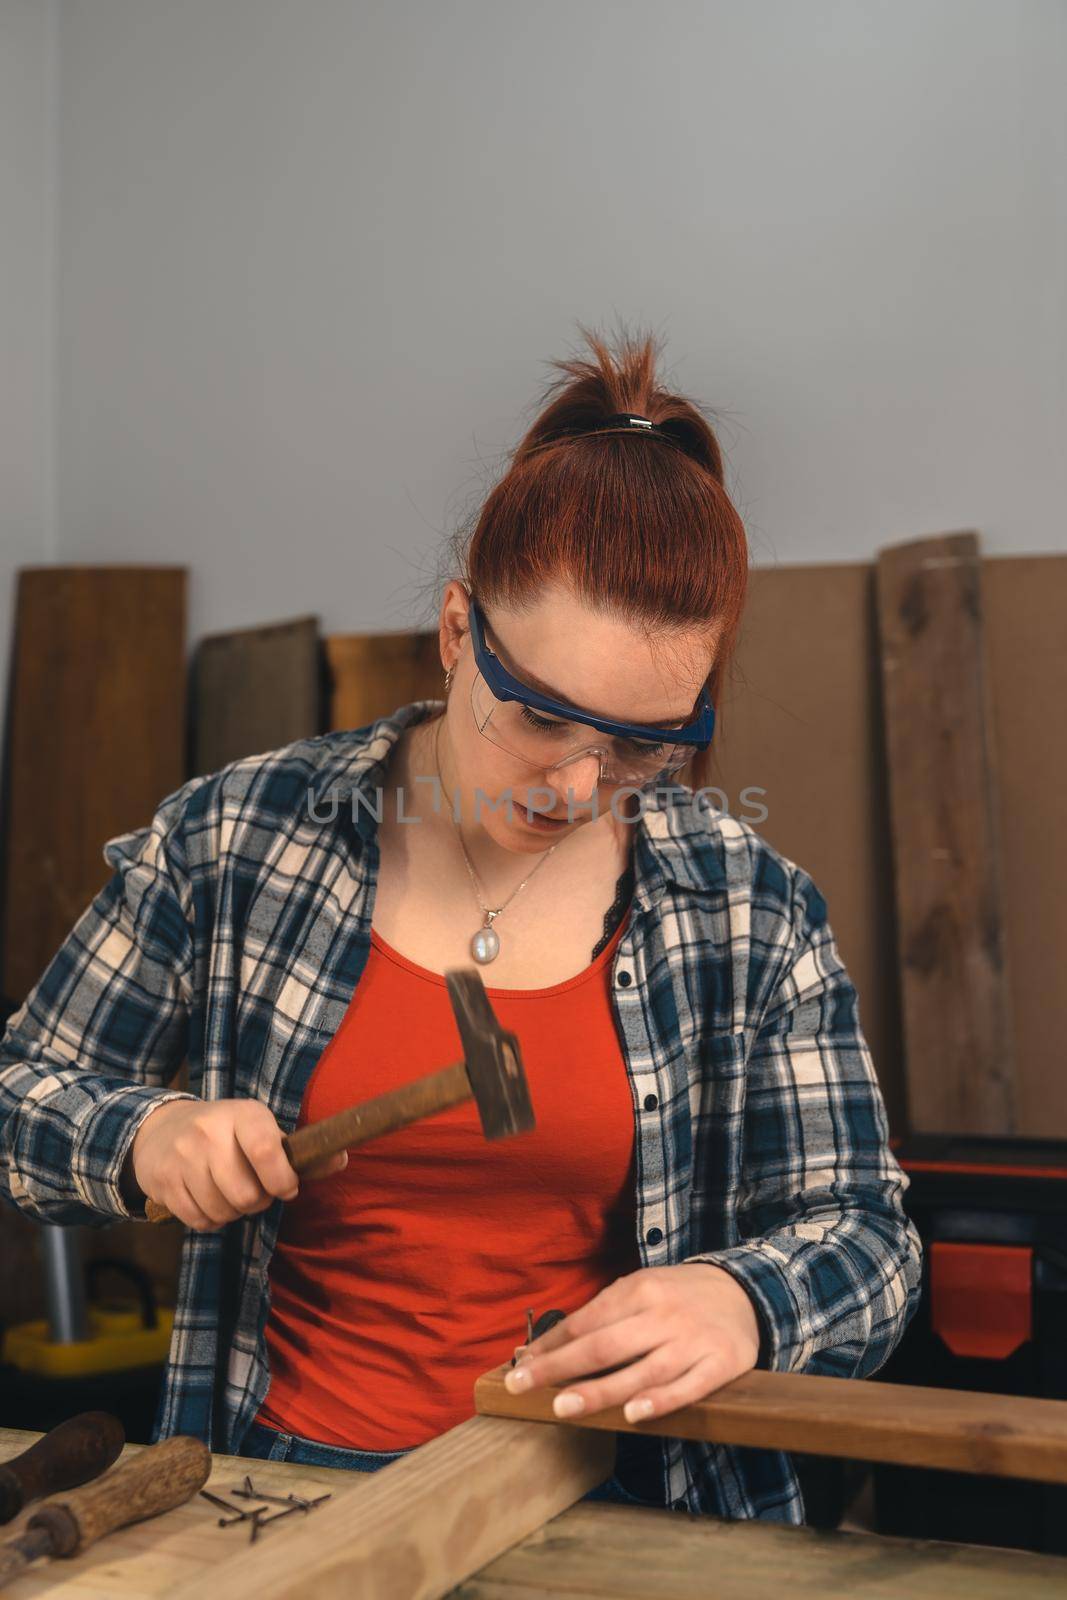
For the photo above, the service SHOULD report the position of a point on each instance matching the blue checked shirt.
(232, 933)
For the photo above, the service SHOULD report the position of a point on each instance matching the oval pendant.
(485, 946)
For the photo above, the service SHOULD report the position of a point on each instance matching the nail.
(568, 1405)
(637, 1410)
(518, 1379)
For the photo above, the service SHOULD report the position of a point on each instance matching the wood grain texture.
(999, 1435)
(1024, 601)
(73, 1452)
(427, 1521)
(96, 739)
(959, 1044)
(150, 1559)
(603, 1552)
(165, 1475)
(371, 674)
(610, 1552)
(799, 728)
(254, 690)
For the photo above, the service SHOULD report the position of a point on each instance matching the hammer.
(491, 1074)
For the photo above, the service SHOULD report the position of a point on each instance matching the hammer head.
(491, 1055)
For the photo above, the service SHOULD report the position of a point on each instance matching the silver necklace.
(485, 944)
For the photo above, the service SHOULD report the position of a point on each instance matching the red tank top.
(397, 1282)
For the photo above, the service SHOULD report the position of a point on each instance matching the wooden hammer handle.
(438, 1091)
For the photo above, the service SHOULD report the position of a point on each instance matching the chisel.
(79, 1449)
(158, 1478)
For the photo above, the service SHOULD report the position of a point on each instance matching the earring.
(448, 678)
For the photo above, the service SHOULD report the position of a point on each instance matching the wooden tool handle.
(438, 1091)
(158, 1478)
(75, 1451)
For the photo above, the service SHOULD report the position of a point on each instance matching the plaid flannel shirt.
(232, 933)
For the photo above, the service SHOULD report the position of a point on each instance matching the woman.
(708, 1187)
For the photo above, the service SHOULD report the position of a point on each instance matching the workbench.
(591, 1550)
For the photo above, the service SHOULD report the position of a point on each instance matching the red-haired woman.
(708, 1187)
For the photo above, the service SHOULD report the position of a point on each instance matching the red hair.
(632, 524)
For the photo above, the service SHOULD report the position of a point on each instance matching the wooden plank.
(1024, 602)
(611, 1552)
(150, 1558)
(806, 741)
(96, 738)
(1000, 1435)
(254, 690)
(958, 1036)
(371, 674)
(590, 1549)
(427, 1521)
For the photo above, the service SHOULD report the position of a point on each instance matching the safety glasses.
(547, 733)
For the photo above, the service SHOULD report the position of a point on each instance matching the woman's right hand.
(212, 1161)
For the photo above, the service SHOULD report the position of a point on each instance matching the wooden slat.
(610, 1552)
(992, 1434)
(148, 1560)
(591, 1549)
(254, 690)
(427, 1521)
(805, 737)
(373, 673)
(96, 740)
(1025, 602)
(958, 1037)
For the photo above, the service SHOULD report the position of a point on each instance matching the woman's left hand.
(675, 1333)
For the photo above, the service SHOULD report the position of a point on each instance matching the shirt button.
(625, 979)
(651, 1102)
(653, 1236)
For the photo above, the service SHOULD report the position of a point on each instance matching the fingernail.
(519, 1378)
(568, 1405)
(637, 1410)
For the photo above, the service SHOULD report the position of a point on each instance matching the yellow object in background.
(119, 1340)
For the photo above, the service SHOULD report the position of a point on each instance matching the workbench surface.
(591, 1552)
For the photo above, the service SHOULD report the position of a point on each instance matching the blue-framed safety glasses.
(547, 733)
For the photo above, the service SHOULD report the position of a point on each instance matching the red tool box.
(992, 1214)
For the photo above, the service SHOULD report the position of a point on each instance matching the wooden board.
(96, 739)
(427, 1521)
(800, 725)
(610, 1552)
(1024, 601)
(255, 690)
(371, 674)
(999, 1435)
(801, 718)
(958, 1036)
(151, 1558)
(600, 1551)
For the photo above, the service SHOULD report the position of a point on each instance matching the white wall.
(316, 253)
(27, 121)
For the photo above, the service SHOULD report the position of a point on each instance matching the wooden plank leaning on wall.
(96, 739)
(253, 690)
(959, 1038)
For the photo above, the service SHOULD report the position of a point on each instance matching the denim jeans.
(272, 1445)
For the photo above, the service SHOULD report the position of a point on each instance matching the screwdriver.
(158, 1478)
(73, 1452)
